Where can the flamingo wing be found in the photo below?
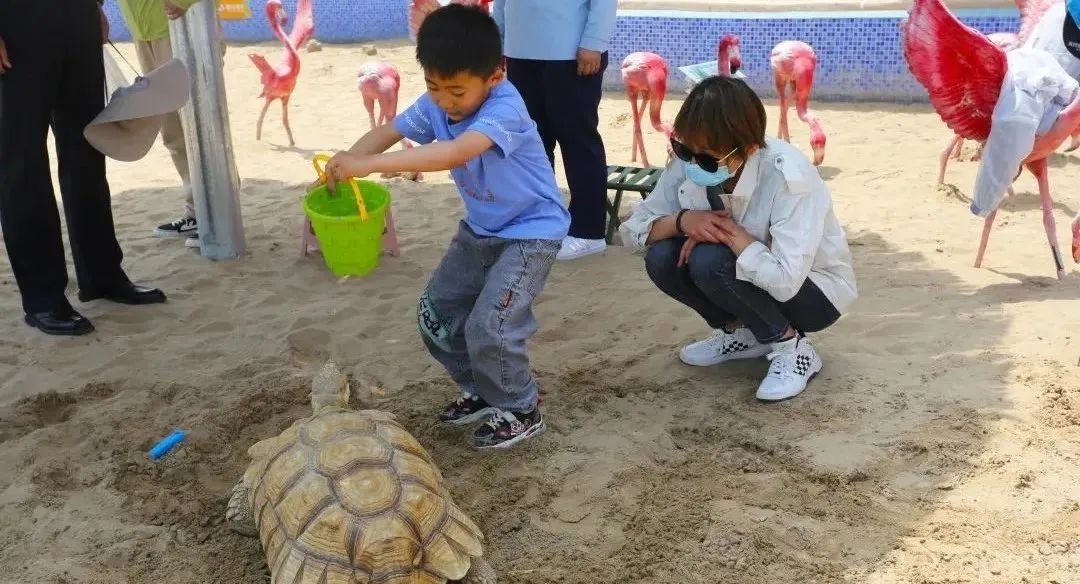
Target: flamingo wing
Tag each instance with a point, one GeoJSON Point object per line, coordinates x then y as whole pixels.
{"type": "Point", "coordinates": [304, 26]}
{"type": "Point", "coordinates": [418, 11]}
{"type": "Point", "coordinates": [959, 67]}
{"type": "Point", "coordinates": [1031, 12]}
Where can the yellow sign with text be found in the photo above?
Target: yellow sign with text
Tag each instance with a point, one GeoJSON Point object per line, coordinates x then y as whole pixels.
{"type": "Point", "coordinates": [234, 10]}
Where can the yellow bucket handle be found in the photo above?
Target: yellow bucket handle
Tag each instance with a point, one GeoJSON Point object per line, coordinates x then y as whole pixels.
{"type": "Point", "coordinates": [319, 162]}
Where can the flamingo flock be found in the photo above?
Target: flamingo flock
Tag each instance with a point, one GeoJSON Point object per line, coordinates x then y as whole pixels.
{"type": "Point", "coordinates": [962, 70]}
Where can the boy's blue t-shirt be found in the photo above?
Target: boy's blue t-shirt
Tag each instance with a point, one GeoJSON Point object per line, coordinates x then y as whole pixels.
{"type": "Point", "coordinates": [509, 190]}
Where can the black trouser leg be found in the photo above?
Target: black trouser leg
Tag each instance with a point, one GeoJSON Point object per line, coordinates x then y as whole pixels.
{"type": "Point", "coordinates": [85, 190]}
{"type": "Point", "coordinates": [527, 76]}
{"type": "Point", "coordinates": [573, 104]}
{"type": "Point", "coordinates": [28, 212]}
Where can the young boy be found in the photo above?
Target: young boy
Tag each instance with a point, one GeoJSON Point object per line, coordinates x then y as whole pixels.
{"type": "Point", "coordinates": [476, 313]}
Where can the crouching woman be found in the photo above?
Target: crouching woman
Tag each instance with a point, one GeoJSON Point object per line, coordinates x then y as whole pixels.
{"type": "Point", "coordinates": [741, 229]}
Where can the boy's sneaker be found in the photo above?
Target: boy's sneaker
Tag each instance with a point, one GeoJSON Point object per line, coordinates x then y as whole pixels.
{"type": "Point", "coordinates": [506, 429]}
{"type": "Point", "coordinates": [193, 242]}
{"type": "Point", "coordinates": [182, 227]}
{"type": "Point", "coordinates": [466, 409]}
{"type": "Point", "coordinates": [794, 363]}
{"type": "Point", "coordinates": [723, 346]}
{"type": "Point", "coordinates": [575, 247]}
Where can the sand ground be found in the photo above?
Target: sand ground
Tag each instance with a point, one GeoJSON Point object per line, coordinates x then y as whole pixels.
{"type": "Point", "coordinates": [940, 443]}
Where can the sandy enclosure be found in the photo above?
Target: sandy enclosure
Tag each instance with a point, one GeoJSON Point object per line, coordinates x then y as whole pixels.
{"type": "Point", "coordinates": [939, 444]}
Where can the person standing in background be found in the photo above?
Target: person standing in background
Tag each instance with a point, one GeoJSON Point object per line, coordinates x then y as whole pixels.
{"type": "Point", "coordinates": [52, 75]}
{"type": "Point", "coordinates": [148, 21]}
{"type": "Point", "coordinates": [556, 56]}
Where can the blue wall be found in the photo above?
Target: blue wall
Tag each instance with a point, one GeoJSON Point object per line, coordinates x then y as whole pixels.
{"type": "Point", "coordinates": [336, 21]}
{"type": "Point", "coordinates": [858, 52]}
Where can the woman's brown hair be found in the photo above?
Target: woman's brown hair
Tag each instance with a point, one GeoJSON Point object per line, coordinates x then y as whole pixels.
{"type": "Point", "coordinates": [722, 114]}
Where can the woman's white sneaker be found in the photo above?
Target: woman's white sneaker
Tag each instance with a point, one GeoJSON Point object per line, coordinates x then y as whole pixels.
{"type": "Point", "coordinates": [723, 346]}
{"type": "Point", "coordinates": [575, 247]}
{"type": "Point", "coordinates": [794, 363]}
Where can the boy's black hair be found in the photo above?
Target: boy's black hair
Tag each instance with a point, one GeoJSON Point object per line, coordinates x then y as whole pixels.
{"type": "Point", "coordinates": [458, 38]}
{"type": "Point", "coordinates": [722, 114]}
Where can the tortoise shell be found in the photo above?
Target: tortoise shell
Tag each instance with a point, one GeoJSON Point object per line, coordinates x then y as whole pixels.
{"type": "Point", "coordinates": [345, 497]}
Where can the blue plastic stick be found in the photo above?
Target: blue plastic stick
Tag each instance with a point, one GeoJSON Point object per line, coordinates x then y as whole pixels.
{"type": "Point", "coordinates": [167, 444]}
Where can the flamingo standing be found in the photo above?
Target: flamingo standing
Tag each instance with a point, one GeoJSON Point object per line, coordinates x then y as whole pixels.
{"type": "Point", "coordinates": [728, 56]}
{"type": "Point", "coordinates": [1007, 41]}
{"type": "Point", "coordinates": [793, 64]}
{"type": "Point", "coordinates": [379, 83]}
{"type": "Point", "coordinates": [645, 77]}
{"type": "Point", "coordinates": [963, 72]}
{"type": "Point", "coordinates": [280, 81]}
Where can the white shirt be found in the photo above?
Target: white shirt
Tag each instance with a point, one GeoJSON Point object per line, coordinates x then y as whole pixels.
{"type": "Point", "coordinates": [781, 200]}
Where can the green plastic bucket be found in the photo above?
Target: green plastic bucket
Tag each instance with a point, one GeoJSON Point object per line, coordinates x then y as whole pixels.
{"type": "Point", "coordinates": [350, 245]}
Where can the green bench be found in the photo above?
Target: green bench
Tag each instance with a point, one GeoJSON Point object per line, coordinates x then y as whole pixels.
{"type": "Point", "coordinates": [627, 178]}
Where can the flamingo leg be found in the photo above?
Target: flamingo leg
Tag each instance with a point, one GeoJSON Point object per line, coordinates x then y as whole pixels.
{"type": "Point", "coordinates": [1076, 238]}
{"type": "Point", "coordinates": [978, 152]}
{"type": "Point", "coordinates": [369, 105]}
{"type": "Point", "coordinates": [285, 119]}
{"type": "Point", "coordinates": [987, 226]}
{"type": "Point", "coordinates": [641, 135]}
{"type": "Point", "coordinates": [959, 150]}
{"type": "Point", "coordinates": [1038, 168]}
{"type": "Point", "coordinates": [781, 90]}
{"type": "Point", "coordinates": [631, 96]}
{"type": "Point", "coordinates": [944, 160]}
{"type": "Point", "coordinates": [262, 115]}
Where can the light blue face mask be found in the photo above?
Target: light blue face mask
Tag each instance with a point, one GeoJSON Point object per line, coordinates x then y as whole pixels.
{"type": "Point", "coordinates": [704, 178]}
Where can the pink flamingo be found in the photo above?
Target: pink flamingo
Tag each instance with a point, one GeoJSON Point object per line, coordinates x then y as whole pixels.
{"type": "Point", "coordinates": [379, 83]}
{"type": "Point", "coordinates": [963, 72]}
{"type": "Point", "coordinates": [728, 56]}
{"type": "Point", "coordinates": [1007, 41]}
{"type": "Point", "coordinates": [645, 77]}
{"type": "Point", "coordinates": [279, 82]}
{"type": "Point", "coordinates": [419, 9]}
{"type": "Point", "coordinates": [793, 64]}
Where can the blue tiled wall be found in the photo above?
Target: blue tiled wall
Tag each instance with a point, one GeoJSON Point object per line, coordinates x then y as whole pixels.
{"type": "Point", "coordinates": [336, 21]}
{"type": "Point", "coordinates": [858, 52]}
{"type": "Point", "coordinates": [859, 55]}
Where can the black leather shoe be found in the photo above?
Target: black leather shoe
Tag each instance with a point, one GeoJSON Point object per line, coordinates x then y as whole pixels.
{"type": "Point", "coordinates": [126, 294]}
{"type": "Point", "coordinates": [66, 323]}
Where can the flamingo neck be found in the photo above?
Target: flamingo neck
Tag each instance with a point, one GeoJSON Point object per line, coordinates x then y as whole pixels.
{"type": "Point", "coordinates": [723, 60]}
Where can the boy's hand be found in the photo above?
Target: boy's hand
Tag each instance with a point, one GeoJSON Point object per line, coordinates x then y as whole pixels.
{"type": "Point", "coordinates": [346, 165]}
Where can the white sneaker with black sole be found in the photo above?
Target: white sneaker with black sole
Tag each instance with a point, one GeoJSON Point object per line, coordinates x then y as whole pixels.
{"type": "Point", "coordinates": [722, 347]}
{"type": "Point", "coordinates": [793, 363]}
{"type": "Point", "coordinates": [182, 227]}
{"type": "Point", "coordinates": [575, 248]}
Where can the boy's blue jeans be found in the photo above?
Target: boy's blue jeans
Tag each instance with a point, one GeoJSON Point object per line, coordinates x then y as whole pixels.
{"type": "Point", "coordinates": [476, 314]}
{"type": "Point", "coordinates": [708, 285]}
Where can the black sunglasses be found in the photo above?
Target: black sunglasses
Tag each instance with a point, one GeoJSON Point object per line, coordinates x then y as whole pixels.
{"type": "Point", "coordinates": [707, 162]}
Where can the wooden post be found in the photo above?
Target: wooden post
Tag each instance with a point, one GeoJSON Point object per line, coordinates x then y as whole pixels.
{"type": "Point", "coordinates": [215, 183]}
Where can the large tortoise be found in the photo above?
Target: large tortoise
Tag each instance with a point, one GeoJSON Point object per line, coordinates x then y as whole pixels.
{"type": "Point", "coordinates": [349, 497]}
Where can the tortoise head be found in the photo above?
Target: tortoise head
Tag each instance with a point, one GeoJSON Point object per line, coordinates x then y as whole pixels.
{"type": "Point", "coordinates": [329, 389]}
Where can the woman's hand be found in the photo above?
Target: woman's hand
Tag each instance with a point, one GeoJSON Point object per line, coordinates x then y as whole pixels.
{"type": "Point", "coordinates": [172, 10]}
{"type": "Point", "coordinates": [687, 249]}
{"type": "Point", "coordinates": [734, 235]}
{"type": "Point", "coordinates": [704, 226]}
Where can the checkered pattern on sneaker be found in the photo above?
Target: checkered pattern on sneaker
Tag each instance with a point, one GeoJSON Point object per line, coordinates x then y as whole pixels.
{"type": "Point", "coordinates": [793, 363]}
{"type": "Point", "coordinates": [723, 346]}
